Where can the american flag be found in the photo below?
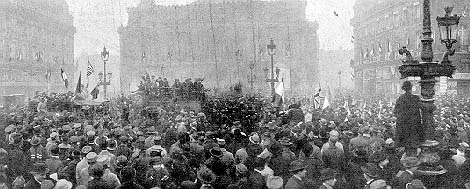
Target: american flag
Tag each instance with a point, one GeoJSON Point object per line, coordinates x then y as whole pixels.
{"type": "Point", "coordinates": [89, 69]}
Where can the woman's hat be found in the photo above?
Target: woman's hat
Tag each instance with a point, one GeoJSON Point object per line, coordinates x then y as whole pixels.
{"type": "Point", "coordinates": [206, 175]}
{"type": "Point", "coordinates": [370, 170]}
{"type": "Point", "coordinates": [296, 165]}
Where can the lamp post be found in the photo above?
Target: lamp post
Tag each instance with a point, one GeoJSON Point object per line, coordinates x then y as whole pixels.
{"type": "Point", "coordinates": [251, 78]}
{"type": "Point", "coordinates": [238, 57]}
{"type": "Point", "coordinates": [271, 51]}
{"type": "Point", "coordinates": [104, 82]}
{"type": "Point", "coordinates": [428, 70]}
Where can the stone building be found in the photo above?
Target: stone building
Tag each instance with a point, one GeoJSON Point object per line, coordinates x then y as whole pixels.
{"type": "Point", "coordinates": [381, 27]}
{"type": "Point", "coordinates": [220, 40]}
{"type": "Point", "coordinates": [36, 38]}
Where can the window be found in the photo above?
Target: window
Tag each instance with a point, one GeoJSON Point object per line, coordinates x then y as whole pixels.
{"type": "Point", "coordinates": [463, 35]}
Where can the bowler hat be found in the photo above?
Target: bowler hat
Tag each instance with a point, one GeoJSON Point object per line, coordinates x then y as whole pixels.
{"type": "Point", "coordinates": [206, 175]}
{"type": "Point", "coordinates": [254, 138]}
{"type": "Point", "coordinates": [86, 149]}
{"type": "Point", "coordinates": [370, 170]}
{"type": "Point", "coordinates": [296, 165]}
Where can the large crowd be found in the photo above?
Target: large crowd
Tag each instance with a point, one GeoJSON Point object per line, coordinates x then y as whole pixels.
{"type": "Point", "coordinates": [234, 142]}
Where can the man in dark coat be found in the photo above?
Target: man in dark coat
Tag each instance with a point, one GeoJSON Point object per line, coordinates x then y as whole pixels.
{"type": "Point", "coordinates": [410, 131]}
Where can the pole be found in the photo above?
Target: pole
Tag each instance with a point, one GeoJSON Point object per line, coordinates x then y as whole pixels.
{"type": "Point", "coordinates": [427, 82]}
{"type": "Point", "coordinates": [272, 76]}
{"type": "Point", "coordinates": [104, 78]}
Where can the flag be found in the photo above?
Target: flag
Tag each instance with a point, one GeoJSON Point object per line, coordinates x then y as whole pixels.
{"type": "Point", "coordinates": [380, 48]}
{"type": "Point", "coordinates": [64, 78]}
{"type": "Point", "coordinates": [48, 74]}
{"type": "Point", "coordinates": [78, 89]}
{"type": "Point", "coordinates": [316, 99]}
{"type": "Point", "coordinates": [326, 104]}
{"type": "Point", "coordinates": [94, 93]}
{"type": "Point", "coordinates": [346, 106]}
{"type": "Point", "coordinates": [279, 95]}
{"type": "Point", "coordinates": [89, 69]}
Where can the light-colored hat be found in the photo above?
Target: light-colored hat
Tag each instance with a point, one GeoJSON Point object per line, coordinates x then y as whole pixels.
{"type": "Point", "coordinates": [63, 184]}
{"type": "Point", "coordinates": [47, 184]}
{"type": "Point", "coordinates": [102, 159]}
{"type": "Point", "coordinates": [274, 182]}
{"type": "Point", "coordinates": [91, 157]}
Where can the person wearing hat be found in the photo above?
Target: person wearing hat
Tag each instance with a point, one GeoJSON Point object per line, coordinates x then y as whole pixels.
{"type": "Point", "coordinates": [227, 157]}
{"type": "Point", "coordinates": [362, 141]}
{"type": "Point", "coordinates": [108, 176]}
{"type": "Point", "coordinates": [83, 163]}
{"type": "Point", "coordinates": [415, 184]}
{"type": "Point", "coordinates": [158, 173]}
{"type": "Point", "coordinates": [298, 170]}
{"type": "Point", "coordinates": [206, 177]}
{"type": "Point", "coordinates": [96, 172]}
{"type": "Point", "coordinates": [313, 162]}
{"type": "Point", "coordinates": [37, 151]}
{"type": "Point", "coordinates": [128, 175]}
{"type": "Point", "coordinates": [47, 184]}
{"type": "Point", "coordinates": [157, 141]}
{"type": "Point", "coordinates": [85, 176]}
{"type": "Point", "coordinates": [332, 152]}
{"type": "Point", "coordinates": [123, 148]}
{"type": "Point", "coordinates": [371, 174]}
{"type": "Point", "coordinates": [328, 179]}
{"type": "Point", "coordinates": [410, 132]}
{"type": "Point", "coordinates": [54, 164]}
{"type": "Point", "coordinates": [38, 175]}
{"type": "Point", "coordinates": [410, 164]}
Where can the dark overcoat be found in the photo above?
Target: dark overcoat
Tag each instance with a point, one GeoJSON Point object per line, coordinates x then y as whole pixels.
{"type": "Point", "coordinates": [410, 131]}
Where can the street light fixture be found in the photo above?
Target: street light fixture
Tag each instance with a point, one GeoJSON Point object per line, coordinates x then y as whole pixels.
{"type": "Point", "coordinates": [428, 70]}
{"type": "Point", "coordinates": [104, 82]}
{"type": "Point", "coordinates": [448, 28]}
{"type": "Point", "coordinates": [277, 73]}
{"type": "Point", "coordinates": [272, 51]}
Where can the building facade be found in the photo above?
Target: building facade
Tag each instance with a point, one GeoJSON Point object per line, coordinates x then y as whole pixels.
{"type": "Point", "coordinates": [224, 42]}
{"type": "Point", "coordinates": [36, 40]}
{"type": "Point", "coordinates": [382, 27]}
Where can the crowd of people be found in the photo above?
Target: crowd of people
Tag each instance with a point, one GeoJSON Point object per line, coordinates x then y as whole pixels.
{"type": "Point", "coordinates": [234, 142]}
{"type": "Point", "coordinates": [160, 89]}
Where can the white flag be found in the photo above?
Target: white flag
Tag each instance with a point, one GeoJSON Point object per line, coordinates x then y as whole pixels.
{"type": "Point", "coordinates": [326, 104]}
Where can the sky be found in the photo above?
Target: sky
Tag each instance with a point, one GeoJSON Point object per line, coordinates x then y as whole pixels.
{"type": "Point", "coordinates": [97, 22]}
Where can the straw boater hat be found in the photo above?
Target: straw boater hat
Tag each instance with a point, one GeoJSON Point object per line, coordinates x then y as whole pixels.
{"type": "Point", "coordinates": [206, 176]}
{"type": "Point", "coordinates": [274, 182]}
{"type": "Point", "coordinates": [35, 141]}
{"type": "Point", "coordinates": [216, 152]}
{"type": "Point", "coordinates": [255, 139]}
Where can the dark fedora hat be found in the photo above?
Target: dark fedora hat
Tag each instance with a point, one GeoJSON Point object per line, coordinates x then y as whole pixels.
{"type": "Point", "coordinates": [370, 170]}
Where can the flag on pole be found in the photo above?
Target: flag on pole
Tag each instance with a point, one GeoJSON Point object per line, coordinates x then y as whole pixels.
{"type": "Point", "coordinates": [78, 89]}
{"type": "Point", "coordinates": [316, 99]}
{"type": "Point", "coordinates": [64, 78]}
{"type": "Point", "coordinates": [89, 69]}
{"type": "Point", "coordinates": [279, 95]}
{"type": "Point", "coordinates": [346, 106]}
{"type": "Point", "coordinates": [326, 104]}
{"type": "Point", "coordinates": [94, 93]}
{"type": "Point", "coordinates": [48, 74]}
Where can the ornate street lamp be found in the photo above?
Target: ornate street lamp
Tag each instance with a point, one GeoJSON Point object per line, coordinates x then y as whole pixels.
{"type": "Point", "coordinates": [100, 76]}
{"type": "Point", "coordinates": [104, 82]}
{"type": "Point", "coordinates": [272, 51]}
{"type": "Point", "coordinates": [428, 70]}
{"type": "Point", "coordinates": [266, 72]}
{"type": "Point", "coordinates": [448, 28]}
{"type": "Point", "coordinates": [277, 73]}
